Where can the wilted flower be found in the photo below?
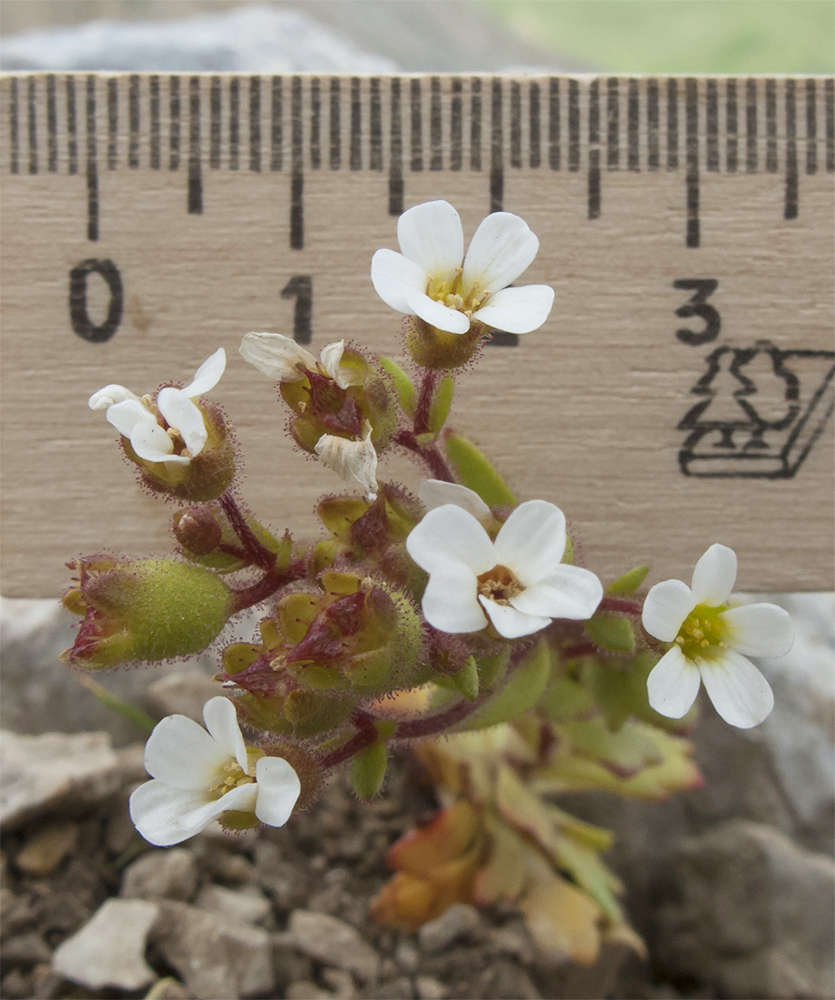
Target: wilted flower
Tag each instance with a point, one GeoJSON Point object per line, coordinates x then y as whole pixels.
{"type": "Point", "coordinates": [198, 776]}
{"type": "Point", "coordinates": [712, 642]}
{"type": "Point", "coordinates": [433, 279]}
{"type": "Point", "coordinates": [519, 579]}
{"type": "Point", "coordinates": [183, 434]}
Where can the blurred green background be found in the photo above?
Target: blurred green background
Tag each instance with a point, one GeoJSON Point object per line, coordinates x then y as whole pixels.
{"type": "Point", "coordinates": [682, 36]}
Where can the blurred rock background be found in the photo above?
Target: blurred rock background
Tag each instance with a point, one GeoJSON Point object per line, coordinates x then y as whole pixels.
{"type": "Point", "coordinates": [732, 885]}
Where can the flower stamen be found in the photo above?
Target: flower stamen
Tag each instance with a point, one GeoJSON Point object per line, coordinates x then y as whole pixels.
{"type": "Point", "coordinates": [499, 584]}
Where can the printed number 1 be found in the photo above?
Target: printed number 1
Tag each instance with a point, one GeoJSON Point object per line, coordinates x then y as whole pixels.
{"type": "Point", "coordinates": [300, 288]}
{"type": "Point", "coordinates": [697, 306]}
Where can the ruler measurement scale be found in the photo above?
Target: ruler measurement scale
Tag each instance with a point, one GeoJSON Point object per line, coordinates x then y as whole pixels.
{"type": "Point", "coordinates": [685, 224]}
{"type": "Point", "coordinates": [249, 113]}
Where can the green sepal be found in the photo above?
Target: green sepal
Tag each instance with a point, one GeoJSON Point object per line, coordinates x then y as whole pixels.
{"type": "Point", "coordinates": [406, 393]}
{"type": "Point", "coordinates": [441, 404]}
{"type": "Point", "coordinates": [368, 770]}
{"type": "Point", "coordinates": [613, 634]}
{"type": "Point", "coordinates": [522, 691]}
{"type": "Point", "coordinates": [477, 473]}
{"type": "Point", "coordinates": [466, 679]}
{"type": "Point", "coordinates": [629, 582]}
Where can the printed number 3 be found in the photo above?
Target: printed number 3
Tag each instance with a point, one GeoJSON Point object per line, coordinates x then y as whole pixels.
{"type": "Point", "coordinates": [697, 306]}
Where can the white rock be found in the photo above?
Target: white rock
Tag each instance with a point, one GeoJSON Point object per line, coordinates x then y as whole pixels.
{"type": "Point", "coordinates": [184, 692]}
{"type": "Point", "coordinates": [237, 907]}
{"type": "Point", "coordinates": [53, 772]}
{"type": "Point", "coordinates": [170, 874]}
{"type": "Point", "coordinates": [110, 949]}
{"type": "Point", "coordinates": [214, 957]}
{"type": "Point", "coordinates": [333, 942]}
{"type": "Point", "coordinates": [459, 921]}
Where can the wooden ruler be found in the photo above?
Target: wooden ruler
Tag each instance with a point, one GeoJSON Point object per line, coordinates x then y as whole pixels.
{"type": "Point", "coordinates": [680, 394]}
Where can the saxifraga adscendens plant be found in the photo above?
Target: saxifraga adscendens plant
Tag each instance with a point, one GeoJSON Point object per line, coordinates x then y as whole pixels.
{"type": "Point", "coordinates": [454, 610]}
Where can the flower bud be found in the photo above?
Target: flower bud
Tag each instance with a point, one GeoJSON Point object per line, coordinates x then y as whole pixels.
{"type": "Point", "coordinates": [144, 609]}
{"type": "Point", "coordinates": [438, 350]}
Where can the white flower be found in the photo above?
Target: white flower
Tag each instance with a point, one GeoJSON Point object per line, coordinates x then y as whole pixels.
{"type": "Point", "coordinates": [436, 493]}
{"type": "Point", "coordinates": [712, 643]}
{"type": "Point", "coordinates": [198, 775]}
{"type": "Point", "coordinates": [519, 579]}
{"type": "Point", "coordinates": [433, 279]}
{"type": "Point", "coordinates": [285, 361]}
{"type": "Point", "coordinates": [134, 418]}
{"type": "Point", "coordinates": [351, 459]}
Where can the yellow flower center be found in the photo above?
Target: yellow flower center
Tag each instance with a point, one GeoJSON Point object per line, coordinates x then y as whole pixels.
{"type": "Point", "coordinates": [704, 633]}
{"type": "Point", "coordinates": [499, 585]}
{"type": "Point", "coordinates": [448, 291]}
{"type": "Point", "coordinates": [230, 775]}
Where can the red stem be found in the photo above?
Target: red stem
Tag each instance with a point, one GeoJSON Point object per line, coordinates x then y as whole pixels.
{"type": "Point", "coordinates": [621, 604]}
{"type": "Point", "coordinates": [364, 738]}
{"type": "Point", "coordinates": [424, 403]}
{"type": "Point", "coordinates": [431, 455]}
{"type": "Point", "coordinates": [257, 553]}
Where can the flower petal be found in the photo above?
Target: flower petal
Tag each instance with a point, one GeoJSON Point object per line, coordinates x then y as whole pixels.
{"type": "Point", "coordinates": [395, 277]}
{"type": "Point", "coordinates": [511, 623]}
{"type": "Point", "coordinates": [739, 692]}
{"type": "Point", "coordinates": [208, 374]}
{"type": "Point", "coordinates": [184, 416]}
{"type": "Point", "coordinates": [517, 310]}
{"type": "Point", "coordinates": [450, 534]}
{"type": "Point", "coordinates": [449, 601]}
{"type": "Point", "coordinates": [151, 443]}
{"type": "Point", "coordinates": [569, 592]}
{"type": "Point", "coordinates": [714, 576]}
{"type": "Point", "coordinates": [666, 606]}
{"type": "Point", "coordinates": [436, 493]}
{"type": "Point", "coordinates": [277, 356]}
{"type": "Point", "coordinates": [760, 629]}
{"type": "Point", "coordinates": [436, 313]}
{"type": "Point", "coordinates": [181, 753]}
{"type": "Point", "coordinates": [222, 722]}
{"type": "Point", "coordinates": [501, 249]}
{"type": "Point", "coordinates": [531, 542]}
{"type": "Point", "coordinates": [673, 684]}
{"type": "Point", "coordinates": [278, 790]}
{"type": "Point", "coordinates": [431, 235]}
{"type": "Point", "coordinates": [330, 358]}
{"type": "Point", "coordinates": [109, 395]}
{"type": "Point", "coordinates": [351, 459]}
{"type": "Point", "coordinates": [166, 815]}
{"type": "Point", "coordinates": [124, 416]}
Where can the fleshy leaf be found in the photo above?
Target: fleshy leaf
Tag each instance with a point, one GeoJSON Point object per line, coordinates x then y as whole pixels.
{"type": "Point", "coordinates": [521, 692]}
{"type": "Point", "coordinates": [505, 874]}
{"type": "Point", "coordinates": [563, 920]}
{"type": "Point", "coordinates": [402, 384]}
{"type": "Point", "coordinates": [589, 872]}
{"type": "Point", "coordinates": [625, 752]}
{"type": "Point", "coordinates": [477, 473]}
{"type": "Point", "coordinates": [447, 837]}
{"type": "Point", "coordinates": [564, 699]}
{"type": "Point", "coordinates": [441, 404]}
{"type": "Point", "coordinates": [466, 680]}
{"type": "Point", "coordinates": [368, 770]}
{"type": "Point", "coordinates": [629, 582]}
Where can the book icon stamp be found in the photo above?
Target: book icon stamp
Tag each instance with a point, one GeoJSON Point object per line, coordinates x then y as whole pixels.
{"type": "Point", "coordinates": [760, 411]}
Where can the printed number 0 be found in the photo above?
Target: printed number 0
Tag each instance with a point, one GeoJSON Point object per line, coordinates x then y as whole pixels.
{"type": "Point", "coordinates": [697, 306]}
{"type": "Point", "coordinates": [79, 316]}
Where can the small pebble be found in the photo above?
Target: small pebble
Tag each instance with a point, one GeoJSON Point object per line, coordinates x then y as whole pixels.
{"type": "Point", "coordinates": [428, 988]}
{"type": "Point", "coordinates": [305, 990]}
{"type": "Point", "coordinates": [43, 852]}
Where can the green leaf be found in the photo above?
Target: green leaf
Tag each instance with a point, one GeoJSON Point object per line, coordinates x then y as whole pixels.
{"type": "Point", "coordinates": [466, 680]}
{"type": "Point", "coordinates": [591, 874]}
{"type": "Point", "coordinates": [625, 752]}
{"type": "Point", "coordinates": [564, 699]}
{"type": "Point", "coordinates": [368, 770]}
{"type": "Point", "coordinates": [477, 473]}
{"type": "Point", "coordinates": [441, 404]}
{"type": "Point", "coordinates": [521, 692]}
{"type": "Point", "coordinates": [403, 386]}
{"type": "Point", "coordinates": [613, 634]}
{"type": "Point", "coordinates": [629, 582]}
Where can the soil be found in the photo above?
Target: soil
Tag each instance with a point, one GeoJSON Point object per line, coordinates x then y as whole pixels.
{"type": "Point", "coordinates": [329, 859]}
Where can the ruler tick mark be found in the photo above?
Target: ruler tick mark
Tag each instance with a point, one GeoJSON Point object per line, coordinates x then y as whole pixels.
{"type": "Point", "coordinates": [456, 134]}
{"type": "Point", "coordinates": [255, 124]}
{"type": "Point", "coordinates": [791, 208]}
{"type": "Point", "coordinates": [153, 85]}
{"type": "Point", "coordinates": [375, 114]}
{"type": "Point", "coordinates": [712, 116]}
{"type": "Point", "coordinates": [653, 158]}
{"type": "Point", "coordinates": [133, 121]}
{"type": "Point", "coordinates": [395, 150]}
{"type": "Point", "coordinates": [672, 124]}
{"type": "Point", "coordinates": [633, 121]}
{"type": "Point", "coordinates": [92, 165]}
{"type": "Point", "coordinates": [72, 139]}
{"type": "Point", "coordinates": [416, 117]}
{"type": "Point", "coordinates": [315, 123]}
{"type": "Point", "coordinates": [496, 138]}
{"type": "Point", "coordinates": [612, 123]}
{"type": "Point", "coordinates": [335, 161]}
{"type": "Point", "coordinates": [436, 127]}
{"type": "Point", "coordinates": [356, 124]}
{"type": "Point", "coordinates": [475, 123]}
{"type": "Point", "coordinates": [830, 125]}
{"type": "Point", "coordinates": [573, 125]}
{"type": "Point", "coordinates": [731, 127]}
{"type": "Point", "coordinates": [33, 125]}
{"type": "Point", "coordinates": [215, 108]}
{"type": "Point", "coordinates": [297, 176]}
{"type": "Point", "coordinates": [751, 126]}
{"type": "Point", "coordinates": [811, 129]}
{"type": "Point", "coordinates": [692, 121]}
{"type": "Point", "coordinates": [554, 151]}
{"type": "Point", "coordinates": [594, 151]}
{"type": "Point", "coordinates": [195, 180]}
{"type": "Point", "coordinates": [276, 134]}
{"type": "Point", "coordinates": [174, 125]}
{"type": "Point", "coordinates": [771, 126]}
{"type": "Point", "coordinates": [51, 124]}
{"type": "Point", "coordinates": [14, 128]}
{"type": "Point", "coordinates": [515, 124]}
{"type": "Point", "coordinates": [534, 143]}
{"type": "Point", "coordinates": [112, 123]}
{"type": "Point", "coordinates": [234, 122]}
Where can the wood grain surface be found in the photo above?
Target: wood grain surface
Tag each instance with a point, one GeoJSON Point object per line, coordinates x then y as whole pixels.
{"type": "Point", "coordinates": [680, 393]}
